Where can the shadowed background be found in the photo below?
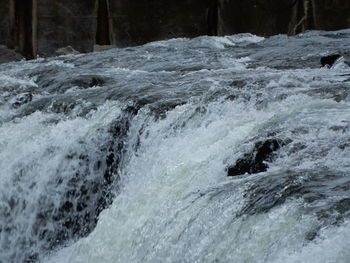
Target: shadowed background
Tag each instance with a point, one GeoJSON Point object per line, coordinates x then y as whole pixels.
{"type": "Point", "coordinates": [40, 27]}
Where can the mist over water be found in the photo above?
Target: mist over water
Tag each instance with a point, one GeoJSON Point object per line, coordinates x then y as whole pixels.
{"type": "Point", "coordinates": [122, 155]}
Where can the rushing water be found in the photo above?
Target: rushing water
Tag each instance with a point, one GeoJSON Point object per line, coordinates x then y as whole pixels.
{"type": "Point", "coordinates": [122, 155]}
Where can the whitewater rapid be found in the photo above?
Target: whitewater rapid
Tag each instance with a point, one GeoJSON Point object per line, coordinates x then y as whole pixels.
{"type": "Point", "coordinates": [122, 155]}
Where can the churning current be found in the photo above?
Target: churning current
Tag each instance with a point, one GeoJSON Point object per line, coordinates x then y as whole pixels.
{"type": "Point", "coordinates": [124, 155]}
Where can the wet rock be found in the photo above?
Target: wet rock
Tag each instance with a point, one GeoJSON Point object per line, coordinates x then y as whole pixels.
{"type": "Point", "coordinates": [270, 191]}
{"type": "Point", "coordinates": [254, 162]}
{"type": "Point", "coordinates": [88, 81]}
{"type": "Point", "coordinates": [66, 51]}
{"type": "Point", "coordinates": [160, 109]}
{"type": "Point", "coordinates": [22, 99]}
{"type": "Point", "coordinates": [139, 21]}
{"type": "Point", "coordinates": [238, 84]}
{"type": "Point", "coordinates": [343, 206]}
{"type": "Point", "coordinates": [311, 235]}
{"type": "Point", "coordinates": [328, 61]}
{"type": "Point", "coordinates": [98, 48]}
{"type": "Point", "coordinates": [7, 55]}
{"type": "Point", "coordinates": [297, 147]}
{"type": "Point", "coordinates": [267, 192]}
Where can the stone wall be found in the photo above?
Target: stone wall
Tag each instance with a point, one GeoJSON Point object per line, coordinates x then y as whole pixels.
{"type": "Point", "coordinates": [51, 24]}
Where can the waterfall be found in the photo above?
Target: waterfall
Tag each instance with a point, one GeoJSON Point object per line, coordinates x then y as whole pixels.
{"type": "Point", "coordinates": [123, 155]}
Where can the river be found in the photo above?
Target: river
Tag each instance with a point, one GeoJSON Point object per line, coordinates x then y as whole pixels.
{"type": "Point", "coordinates": [122, 155]}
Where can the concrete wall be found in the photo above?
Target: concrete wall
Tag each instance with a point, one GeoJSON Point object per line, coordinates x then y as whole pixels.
{"type": "Point", "coordinates": [5, 23]}
{"type": "Point", "coordinates": [65, 22]}
{"type": "Point", "coordinates": [261, 17]}
{"type": "Point", "coordinates": [140, 21]}
{"type": "Point", "coordinates": [332, 14]}
{"type": "Point", "coordinates": [83, 23]}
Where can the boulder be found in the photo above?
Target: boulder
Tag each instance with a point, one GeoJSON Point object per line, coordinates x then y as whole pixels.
{"type": "Point", "coordinates": [7, 55]}
{"type": "Point", "coordinates": [254, 161]}
{"type": "Point", "coordinates": [328, 61]}
{"type": "Point", "coordinates": [22, 99]}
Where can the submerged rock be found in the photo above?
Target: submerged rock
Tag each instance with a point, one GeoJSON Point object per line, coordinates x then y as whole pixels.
{"type": "Point", "coordinates": [328, 61]}
{"type": "Point", "coordinates": [254, 162]}
{"type": "Point", "coordinates": [88, 81]}
{"type": "Point", "coordinates": [22, 99]}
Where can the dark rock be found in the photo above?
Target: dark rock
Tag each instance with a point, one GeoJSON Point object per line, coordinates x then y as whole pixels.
{"type": "Point", "coordinates": [343, 206]}
{"type": "Point", "coordinates": [254, 162]}
{"type": "Point", "coordinates": [311, 235]}
{"type": "Point", "coordinates": [7, 55]}
{"type": "Point", "coordinates": [270, 191]}
{"type": "Point", "coordinates": [96, 82]}
{"type": "Point", "coordinates": [297, 147]}
{"type": "Point", "coordinates": [66, 51]}
{"type": "Point", "coordinates": [160, 109]}
{"type": "Point", "coordinates": [22, 99]}
{"type": "Point", "coordinates": [267, 192]}
{"type": "Point", "coordinates": [329, 60]}
{"type": "Point", "coordinates": [88, 81]}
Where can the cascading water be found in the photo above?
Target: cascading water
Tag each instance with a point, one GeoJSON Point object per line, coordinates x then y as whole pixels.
{"type": "Point", "coordinates": [122, 155]}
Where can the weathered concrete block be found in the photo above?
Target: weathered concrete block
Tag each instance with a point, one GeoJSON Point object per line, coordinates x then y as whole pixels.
{"type": "Point", "coordinates": [5, 23]}
{"type": "Point", "coordinates": [270, 17]}
{"type": "Point", "coordinates": [259, 17]}
{"type": "Point", "coordinates": [138, 21]}
{"type": "Point", "coordinates": [43, 26]}
{"type": "Point", "coordinates": [63, 23]}
{"type": "Point", "coordinates": [332, 14]}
